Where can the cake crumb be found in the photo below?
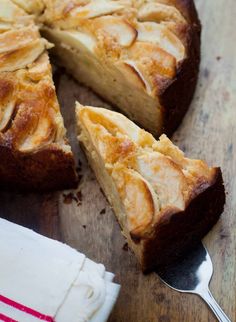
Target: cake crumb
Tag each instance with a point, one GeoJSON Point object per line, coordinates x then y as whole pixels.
{"type": "Point", "coordinates": [79, 167]}
{"type": "Point", "coordinates": [68, 198]}
{"type": "Point", "coordinates": [79, 197]}
{"type": "Point", "coordinates": [103, 211]}
{"type": "Point", "coordinates": [125, 247]}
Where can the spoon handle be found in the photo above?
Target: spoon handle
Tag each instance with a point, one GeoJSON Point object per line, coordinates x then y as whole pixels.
{"type": "Point", "coordinates": [209, 299]}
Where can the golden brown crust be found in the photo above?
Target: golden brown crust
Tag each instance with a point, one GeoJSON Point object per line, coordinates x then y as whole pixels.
{"type": "Point", "coordinates": [156, 184]}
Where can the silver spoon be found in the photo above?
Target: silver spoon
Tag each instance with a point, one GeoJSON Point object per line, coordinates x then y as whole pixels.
{"type": "Point", "coordinates": [192, 274]}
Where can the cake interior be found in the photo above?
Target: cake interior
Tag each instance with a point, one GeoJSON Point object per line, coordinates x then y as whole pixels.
{"type": "Point", "coordinates": [122, 89]}
{"type": "Point", "coordinates": [108, 186]}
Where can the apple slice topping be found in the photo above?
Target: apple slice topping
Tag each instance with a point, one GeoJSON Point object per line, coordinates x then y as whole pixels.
{"type": "Point", "coordinates": [44, 134]}
{"type": "Point", "coordinates": [97, 8]}
{"type": "Point", "coordinates": [9, 11]}
{"type": "Point", "coordinates": [139, 199]}
{"type": "Point", "coordinates": [159, 12]}
{"type": "Point", "coordinates": [116, 28]}
{"type": "Point", "coordinates": [152, 60]}
{"type": "Point", "coordinates": [6, 112]}
{"type": "Point", "coordinates": [163, 37]}
{"type": "Point", "coordinates": [132, 72]}
{"type": "Point", "coordinates": [166, 178]}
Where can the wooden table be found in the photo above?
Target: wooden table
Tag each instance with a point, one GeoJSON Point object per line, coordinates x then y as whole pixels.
{"type": "Point", "coordinates": [85, 221]}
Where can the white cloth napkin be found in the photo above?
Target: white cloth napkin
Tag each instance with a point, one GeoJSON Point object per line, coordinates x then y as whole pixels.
{"type": "Point", "coordinates": [44, 280]}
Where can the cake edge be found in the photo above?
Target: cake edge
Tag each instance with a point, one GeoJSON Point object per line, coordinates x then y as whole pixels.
{"type": "Point", "coordinates": [193, 224]}
{"type": "Point", "coordinates": [177, 95]}
{"type": "Point", "coordinates": [45, 170]}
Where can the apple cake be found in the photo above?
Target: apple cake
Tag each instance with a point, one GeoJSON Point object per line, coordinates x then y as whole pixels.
{"type": "Point", "coordinates": [164, 201]}
{"type": "Point", "coordinates": [141, 56]}
{"type": "Point", "coordinates": [34, 153]}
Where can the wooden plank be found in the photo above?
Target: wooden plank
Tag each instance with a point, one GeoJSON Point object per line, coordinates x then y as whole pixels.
{"type": "Point", "coordinates": [85, 221]}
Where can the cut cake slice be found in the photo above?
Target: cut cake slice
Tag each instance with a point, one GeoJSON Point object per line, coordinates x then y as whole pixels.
{"type": "Point", "coordinates": [164, 202]}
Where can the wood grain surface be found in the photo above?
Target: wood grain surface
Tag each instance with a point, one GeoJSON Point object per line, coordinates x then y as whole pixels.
{"type": "Point", "coordinates": [84, 220]}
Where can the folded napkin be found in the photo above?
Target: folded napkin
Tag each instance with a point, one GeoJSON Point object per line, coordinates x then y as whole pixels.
{"type": "Point", "coordinates": [44, 280]}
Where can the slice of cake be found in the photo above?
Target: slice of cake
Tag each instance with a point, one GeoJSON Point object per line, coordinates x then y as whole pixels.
{"type": "Point", "coordinates": [142, 56]}
{"type": "Point", "coordinates": [163, 201]}
{"type": "Point", "coordinates": [44, 280]}
{"type": "Point", "coordinates": [34, 151]}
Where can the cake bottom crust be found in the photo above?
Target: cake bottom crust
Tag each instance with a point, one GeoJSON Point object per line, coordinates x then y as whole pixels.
{"type": "Point", "coordinates": [45, 170]}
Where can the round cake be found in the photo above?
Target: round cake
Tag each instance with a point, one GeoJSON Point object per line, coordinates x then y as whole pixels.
{"type": "Point", "coordinates": [141, 56]}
